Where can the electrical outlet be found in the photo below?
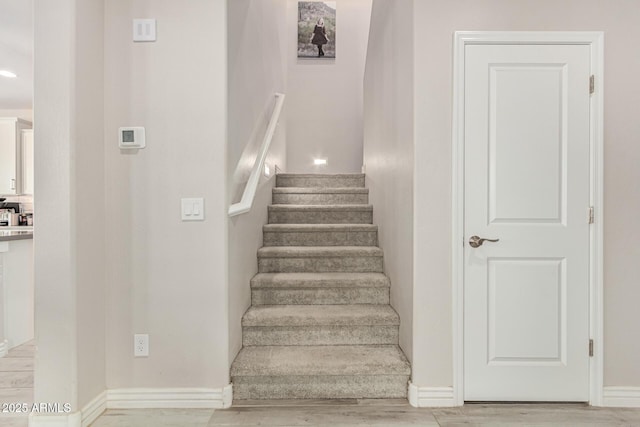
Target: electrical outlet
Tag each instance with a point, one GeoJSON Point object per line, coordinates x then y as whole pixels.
{"type": "Point", "coordinates": [141, 345]}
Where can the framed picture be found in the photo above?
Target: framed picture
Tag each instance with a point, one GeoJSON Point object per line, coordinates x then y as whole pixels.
{"type": "Point", "coordinates": [317, 29]}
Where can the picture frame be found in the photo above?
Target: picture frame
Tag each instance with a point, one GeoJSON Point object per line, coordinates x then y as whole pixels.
{"type": "Point", "coordinates": [317, 29]}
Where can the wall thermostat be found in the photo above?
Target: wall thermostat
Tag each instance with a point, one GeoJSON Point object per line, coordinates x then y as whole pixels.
{"type": "Point", "coordinates": [132, 138]}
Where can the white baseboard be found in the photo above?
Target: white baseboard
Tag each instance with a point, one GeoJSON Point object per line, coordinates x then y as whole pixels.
{"type": "Point", "coordinates": [621, 397]}
{"type": "Point", "coordinates": [139, 398]}
{"type": "Point", "coordinates": [431, 397]}
{"type": "Point", "coordinates": [4, 348]}
{"type": "Point", "coordinates": [63, 420]}
{"type": "Point", "coordinates": [94, 409]}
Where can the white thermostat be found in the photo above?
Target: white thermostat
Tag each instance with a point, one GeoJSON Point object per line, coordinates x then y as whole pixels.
{"type": "Point", "coordinates": [131, 138]}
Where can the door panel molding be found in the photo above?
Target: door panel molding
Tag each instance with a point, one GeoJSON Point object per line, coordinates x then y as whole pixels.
{"type": "Point", "coordinates": [595, 40]}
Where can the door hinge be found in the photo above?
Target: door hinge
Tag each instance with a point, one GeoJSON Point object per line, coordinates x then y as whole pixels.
{"type": "Point", "coordinates": [590, 348]}
{"type": "Point", "coordinates": [590, 215]}
{"type": "Point", "coordinates": [592, 84]}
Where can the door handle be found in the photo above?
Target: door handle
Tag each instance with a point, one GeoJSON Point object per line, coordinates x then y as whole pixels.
{"type": "Point", "coordinates": [476, 242]}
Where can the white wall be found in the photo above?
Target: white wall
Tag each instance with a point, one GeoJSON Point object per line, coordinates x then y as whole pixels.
{"type": "Point", "coordinates": [325, 95]}
{"type": "Point", "coordinates": [69, 243]}
{"type": "Point", "coordinates": [435, 22]}
{"type": "Point", "coordinates": [89, 194]}
{"type": "Point", "coordinates": [389, 147]}
{"type": "Point", "coordinates": [257, 70]}
{"type": "Point", "coordinates": [166, 277]}
{"type": "Point", "coordinates": [16, 53]}
{"type": "Point", "coordinates": [23, 114]}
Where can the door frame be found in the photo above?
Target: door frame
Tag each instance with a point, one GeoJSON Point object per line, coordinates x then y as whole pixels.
{"type": "Point", "coordinates": [594, 39]}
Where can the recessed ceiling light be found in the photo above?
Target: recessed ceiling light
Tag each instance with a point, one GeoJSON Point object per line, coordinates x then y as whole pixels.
{"type": "Point", "coordinates": [9, 74]}
{"type": "Point", "coordinates": [320, 162]}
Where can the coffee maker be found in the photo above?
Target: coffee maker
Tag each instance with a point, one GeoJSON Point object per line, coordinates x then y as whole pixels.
{"type": "Point", "coordinates": [9, 213]}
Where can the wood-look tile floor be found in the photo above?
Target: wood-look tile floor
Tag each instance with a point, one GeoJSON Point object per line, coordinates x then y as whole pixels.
{"type": "Point", "coordinates": [16, 384]}
{"type": "Point", "coordinates": [351, 412]}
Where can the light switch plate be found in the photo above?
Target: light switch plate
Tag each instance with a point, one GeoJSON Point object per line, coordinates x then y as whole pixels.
{"type": "Point", "coordinates": [144, 30]}
{"type": "Point", "coordinates": [193, 209]}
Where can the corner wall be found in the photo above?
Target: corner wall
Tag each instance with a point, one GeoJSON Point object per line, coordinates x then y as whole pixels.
{"type": "Point", "coordinates": [325, 95]}
{"type": "Point", "coordinates": [389, 147]}
{"type": "Point", "coordinates": [89, 216]}
{"type": "Point", "coordinates": [69, 182]}
{"type": "Point", "coordinates": [257, 70]}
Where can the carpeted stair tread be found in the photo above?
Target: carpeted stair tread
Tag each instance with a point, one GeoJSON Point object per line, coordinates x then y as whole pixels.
{"type": "Point", "coordinates": [320, 315]}
{"type": "Point", "coordinates": [341, 360]}
{"type": "Point", "coordinates": [320, 190]}
{"type": "Point", "coordinates": [319, 280]}
{"type": "Point", "coordinates": [329, 288]}
{"type": "Point", "coordinates": [320, 325]}
{"type": "Point", "coordinates": [320, 228]}
{"type": "Point", "coordinates": [327, 213]}
{"type": "Point", "coordinates": [318, 251]}
{"type": "Point", "coordinates": [321, 175]}
{"type": "Point", "coordinates": [320, 235]}
{"type": "Point", "coordinates": [321, 208]}
{"type": "Point", "coordinates": [320, 180]}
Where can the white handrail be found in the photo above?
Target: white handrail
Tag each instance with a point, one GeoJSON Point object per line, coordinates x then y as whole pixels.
{"type": "Point", "coordinates": [244, 205]}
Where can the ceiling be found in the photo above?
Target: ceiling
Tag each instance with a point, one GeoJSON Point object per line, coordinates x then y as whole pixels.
{"type": "Point", "coordinates": [16, 53]}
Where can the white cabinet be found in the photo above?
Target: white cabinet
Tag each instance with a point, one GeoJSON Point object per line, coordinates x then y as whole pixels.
{"type": "Point", "coordinates": [27, 161]}
{"type": "Point", "coordinates": [16, 293]}
{"type": "Point", "coordinates": [11, 161]}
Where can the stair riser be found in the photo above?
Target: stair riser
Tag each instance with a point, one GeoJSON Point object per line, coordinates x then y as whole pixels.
{"type": "Point", "coordinates": [319, 335]}
{"type": "Point", "coordinates": [325, 264]}
{"type": "Point", "coordinates": [320, 296]}
{"type": "Point", "coordinates": [320, 387]}
{"type": "Point", "coordinates": [319, 181]}
{"type": "Point", "coordinates": [320, 199]}
{"type": "Point", "coordinates": [320, 217]}
{"type": "Point", "coordinates": [321, 238]}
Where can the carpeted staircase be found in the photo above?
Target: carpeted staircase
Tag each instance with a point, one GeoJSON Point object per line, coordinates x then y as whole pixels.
{"type": "Point", "coordinates": [320, 325]}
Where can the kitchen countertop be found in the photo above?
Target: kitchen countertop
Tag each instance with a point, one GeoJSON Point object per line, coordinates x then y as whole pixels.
{"type": "Point", "coordinates": [6, 235]}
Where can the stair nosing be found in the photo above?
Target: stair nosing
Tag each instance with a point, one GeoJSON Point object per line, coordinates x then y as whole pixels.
{"type": "Point", "coordinates": [320, 252]}
{"type": "Point", "coordinates": [398, 367]}
{"type": "Point", "coordinates": [321, 175]}
{"type": "Point", "coordinates": [344, 315]}
{"type": "Point", "coordinates": [319, 280]}
{"type": "Point", "coordinates": [279, 228]}
{"type": "Point", "coordinates": [320, 190]}
{"type": "Point", "coordinates": [337, 206]}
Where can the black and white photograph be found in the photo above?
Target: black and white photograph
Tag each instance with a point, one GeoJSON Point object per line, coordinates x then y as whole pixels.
{"type": "Point", "coordinates": [317, 29]}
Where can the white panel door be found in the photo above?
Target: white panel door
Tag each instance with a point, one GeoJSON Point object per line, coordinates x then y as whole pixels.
{"type": "Point", "coordinates": [526, 297]}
